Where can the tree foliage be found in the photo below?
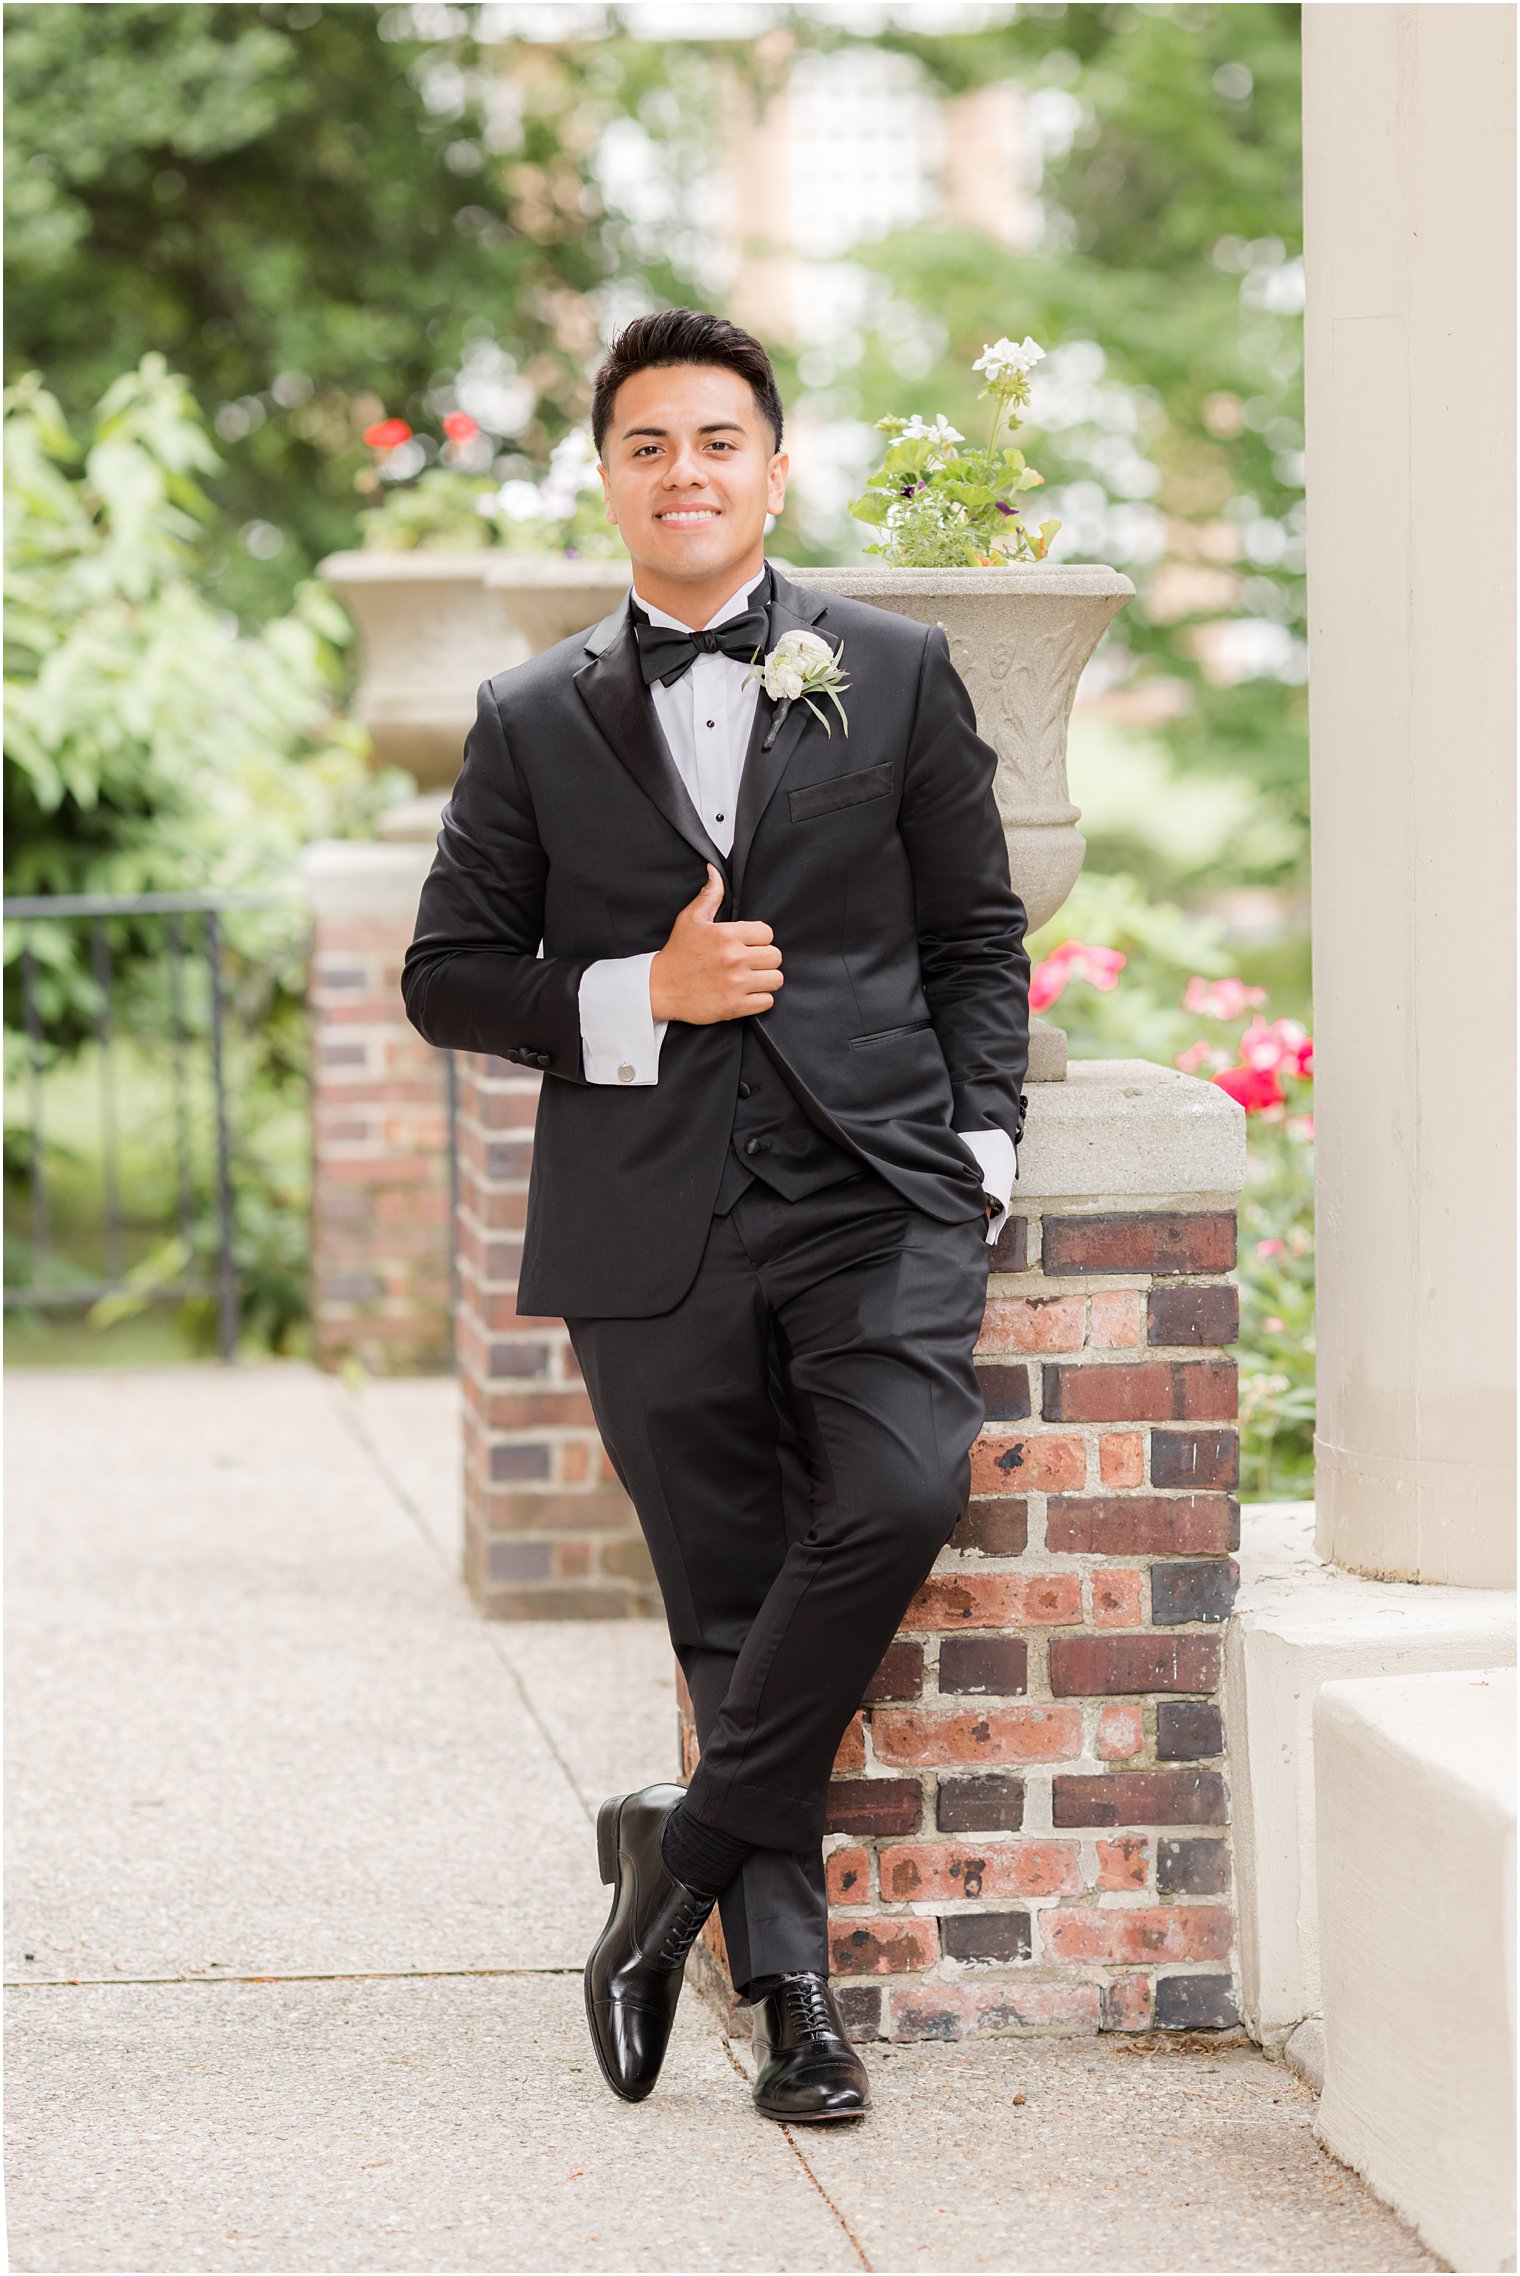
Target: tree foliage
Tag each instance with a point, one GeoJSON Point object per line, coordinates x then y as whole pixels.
{"type": "Point", "coordinates": [315, 214]}
{"type": "Point", "coordinates": [1170, 258]}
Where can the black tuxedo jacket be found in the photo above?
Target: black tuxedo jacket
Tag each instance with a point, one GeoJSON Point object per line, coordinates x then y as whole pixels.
{"type": "Point", "coordinates": [877, 858]}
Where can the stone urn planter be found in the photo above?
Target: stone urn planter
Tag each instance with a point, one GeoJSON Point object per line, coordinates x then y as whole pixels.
{"type": "Point", "coordinates": [430, 630]}
{"type": "Point", "coordinates": [546, 599]}
{"type": "Point", "coordinates": [1019, 637]}
{"type": "Point", "coordinates": [432, 626]}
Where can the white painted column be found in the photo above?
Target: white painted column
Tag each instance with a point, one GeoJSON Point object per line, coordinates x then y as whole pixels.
{"type": "Point", "coordinates": [1409, 198]}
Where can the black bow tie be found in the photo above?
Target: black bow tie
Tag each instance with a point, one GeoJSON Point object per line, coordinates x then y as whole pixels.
{"type": "Point", "coordinates": [666, 650]}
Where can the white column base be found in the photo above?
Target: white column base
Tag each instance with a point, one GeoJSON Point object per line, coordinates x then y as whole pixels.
{"type": "Point", "coordinates": [1415, 1806]}
{"type": "Point", "coordinates": [1299, 1624]}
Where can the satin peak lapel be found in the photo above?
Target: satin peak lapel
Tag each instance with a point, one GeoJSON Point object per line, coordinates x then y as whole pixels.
{"type": "Point", "coordinates": [792, 610]}
{"type": "Point", "coordinates": [612, 688]}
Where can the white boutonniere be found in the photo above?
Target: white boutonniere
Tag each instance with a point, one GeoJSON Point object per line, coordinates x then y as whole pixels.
{"type": "Point", "coordinates": [801, 666]}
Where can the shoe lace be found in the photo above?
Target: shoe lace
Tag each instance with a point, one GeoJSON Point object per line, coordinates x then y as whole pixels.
{"type": "Point", "coordinates": [682, 1931]}
{"type": "Point", "coordinates": [808, 2004]}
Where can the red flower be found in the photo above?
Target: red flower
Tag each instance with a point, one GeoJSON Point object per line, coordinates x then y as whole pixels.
{"type": "Point", "coordinates": [385, 434]}
{"type": "Point", "coordinates": [459, 426]}
{"type": "Point", "coordinates": [1252, 1087]}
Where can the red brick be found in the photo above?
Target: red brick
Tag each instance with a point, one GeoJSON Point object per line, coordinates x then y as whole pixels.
{"type": "Point", "coordinates": [847, 1873]}
{"type": "Point", "coordinates": [1192, 1868]}
{"type": "Point", "coordinates": [995, 1734]}
{"type": "Point", "coordinates": [1036, 1323]}
{"type": "Point", "coordinates": [1153, 1932]}
{"type": "Point", "coordinates": [1140, 1525]}
{"type": "Point", "coordinates": [988, 1801]}
{"type": "Point", "coordinates": [1118, 1319]}
{"type": "Point", "coordinates": [1196, 1458]}
{"type": "Point", "coordinates": [1127, 2004]}
{"type": "Point", "coordinates": [1121, 1458]}
{"type": "Point", "coordinates": [1042, 1462]}
{"type": "Point", "coordinates": [995, 1525]}
{"type": "Point", "coordinates": [851, 1752]}
{"type": "Point", "coordinates": [1116, 1599]}
{"type": "Point", "coordinates": [1121, 1733]}
{"type": "Point", "coordinates": [901, 1673]}
{"type": "Point", "coordinates": [996, 1667]}
{"type": "Point", "coordinates": [1011, 1254]}
{"type": "Point", "coordinates": [936, 1871]}
{"type": "Point", "coordinates": [893, 1945]}
{"type": "Point", "coordinates": [1159, 1241]}
{"type": "Point", "coordinates": [1088, 1666]}
{"type": "Point", "coordinates": [1138, 1798]}
{"type": "Point", "coordinates": [1193, 1315]}
{"type": "Point", "coordinates": [874, 1805]}
{"type": "Point", "coordinates": [1156, 1390]}
{"type": "Point", "coordinates": [996, 1600]}
{"type": "Point", "coordinates": [958, 2011]}
{"type": "Point", "coordinates": [989, 1934]}
{"type": "Point", "coordinates": [1125, 1863]}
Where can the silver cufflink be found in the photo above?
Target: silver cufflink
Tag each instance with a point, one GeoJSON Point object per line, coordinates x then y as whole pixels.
{"type": "Point", "coordinates": [625, 1073]}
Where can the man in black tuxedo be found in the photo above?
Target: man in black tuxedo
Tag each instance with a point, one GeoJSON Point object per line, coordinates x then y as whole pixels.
{"type": "Point", "coordinates": [776, 977]}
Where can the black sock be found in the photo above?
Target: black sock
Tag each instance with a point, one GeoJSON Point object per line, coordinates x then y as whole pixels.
{"type": "Point", "coordinates": [699, 1855]}
{"type": "Point", "coordinates": [758, 1986]}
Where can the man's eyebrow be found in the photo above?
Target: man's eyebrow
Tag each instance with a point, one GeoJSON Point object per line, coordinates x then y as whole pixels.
{"type": "Point", "coordinates": [712, 427]}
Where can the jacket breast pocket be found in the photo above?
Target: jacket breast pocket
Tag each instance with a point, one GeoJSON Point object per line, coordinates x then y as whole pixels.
{"type": "Point", "coordinates": [817, 798]}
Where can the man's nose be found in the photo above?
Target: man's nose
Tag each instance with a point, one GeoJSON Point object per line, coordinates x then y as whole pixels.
{"type": "Point", "coordinates": [685, 470]}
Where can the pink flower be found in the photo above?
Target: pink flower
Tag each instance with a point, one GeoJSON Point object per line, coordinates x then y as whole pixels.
{"type": "Point", "coordinates": [1220, 999]}
{"type": "Point", "coordinates": [459, 426]}
{"type": "Point", "coordinates": [1254, 1088]}
{"type": "Point", "coordinates": [1074, 960]}
{"type": "Point", "coordinates": [1271, 1248]}
{"type": "Point", "coordinates": [385, 434]}
{"type": "Point", "coordinates": [1280, 1044]}
{"type": "Point", "coordinates": [1046, 981]}
{"type": "Point", "coordinates": [1300, 1126]}
{"type": "Point", "coordinates": [1202, 1054]}
{"type": "Point", "coordinates": [1274, 1326]}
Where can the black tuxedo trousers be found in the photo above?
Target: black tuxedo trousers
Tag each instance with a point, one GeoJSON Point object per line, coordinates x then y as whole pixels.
{"type": "Point", "coordinates": [795, 1436]}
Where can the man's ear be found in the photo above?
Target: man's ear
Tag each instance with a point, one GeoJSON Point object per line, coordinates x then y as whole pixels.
{"type": "Point", "coordinates": [607, 494]}
{"type": "Point", "coordinates": [775, 482]}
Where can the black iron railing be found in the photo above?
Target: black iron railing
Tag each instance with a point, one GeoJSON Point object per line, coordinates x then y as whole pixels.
{"type": "Point", "coordinates": [194, 1014]}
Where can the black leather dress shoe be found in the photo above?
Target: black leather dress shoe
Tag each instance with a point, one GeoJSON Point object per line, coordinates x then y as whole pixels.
{"type": "Point", "coordinates": [635, 1971]}
{"type": "Point", "coordinates": [808, 2069]}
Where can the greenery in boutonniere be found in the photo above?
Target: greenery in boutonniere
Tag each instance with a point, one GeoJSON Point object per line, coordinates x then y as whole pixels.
{"type": "Point", "coordinates": [940, 506]}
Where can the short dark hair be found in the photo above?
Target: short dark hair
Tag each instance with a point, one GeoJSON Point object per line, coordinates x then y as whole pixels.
{"type": "Point", "coordinates": [684, 336]}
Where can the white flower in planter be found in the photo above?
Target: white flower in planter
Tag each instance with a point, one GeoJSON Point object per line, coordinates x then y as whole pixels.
{"type": "Point", "coordinates": [941, 431]}
{"type": "Point", "coordinates": [1007, 358]}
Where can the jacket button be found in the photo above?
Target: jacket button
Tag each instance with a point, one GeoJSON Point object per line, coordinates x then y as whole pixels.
{"type": "Point", "coordinates": [757, 1146]}
{"type": "Point", "coordinates": [744, 1090]}
{"type": "Point", "coordinates": [626, 1073]}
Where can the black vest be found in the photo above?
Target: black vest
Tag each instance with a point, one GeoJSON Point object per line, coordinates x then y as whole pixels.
{"type": "Point", "coordinates": [774, 1139]}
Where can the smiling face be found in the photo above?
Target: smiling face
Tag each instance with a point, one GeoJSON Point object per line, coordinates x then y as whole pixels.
{"type": "Point", "coordinates": [690, 471]}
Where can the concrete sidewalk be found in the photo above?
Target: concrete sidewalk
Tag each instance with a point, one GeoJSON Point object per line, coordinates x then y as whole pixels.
{"type": "Point", "coordinates": [302, 1877]}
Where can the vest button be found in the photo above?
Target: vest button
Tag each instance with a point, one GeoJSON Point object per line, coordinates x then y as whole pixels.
{"type": "Point", "coordinates": [744, 1090]}
{"type": "Point", "coordinates": [755, 1146]}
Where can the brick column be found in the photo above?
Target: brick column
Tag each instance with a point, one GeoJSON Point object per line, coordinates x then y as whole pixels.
{"type": "Point", "coordinates": [549, 1533]}
{"type": "Point", "coordinates": [1029, 1818]}
{"type": "Point", "coordinates": [380, 1167]}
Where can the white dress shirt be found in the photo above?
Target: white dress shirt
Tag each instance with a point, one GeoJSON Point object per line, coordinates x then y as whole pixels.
{"type": "Point", "coordinates": [706, 716]}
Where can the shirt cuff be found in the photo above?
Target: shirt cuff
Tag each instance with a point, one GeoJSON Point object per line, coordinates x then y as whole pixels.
{"type": "Point", "coordinates": [620, 1037]}
{"type": "Point", "coordinates": [998, 1159]}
